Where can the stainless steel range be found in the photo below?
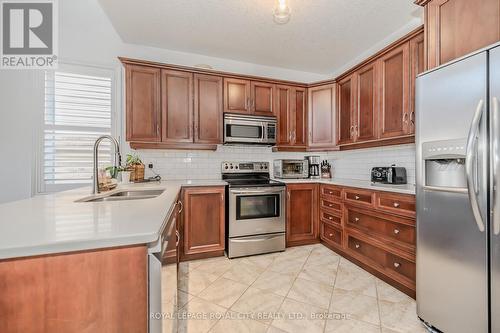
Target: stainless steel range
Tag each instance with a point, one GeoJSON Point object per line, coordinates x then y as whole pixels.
{"type": "Point", "coordinates": [256, 209]}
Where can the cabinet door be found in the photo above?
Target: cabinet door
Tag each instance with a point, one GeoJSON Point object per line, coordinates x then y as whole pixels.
{"type": "Point", "coordinates": [302, 214]}
{"type": "Point", "coordinates": [177, 106]}
{"type": "Point", "coordinates": [458, 27]}
{"type": "Point", "coordinates": [283, 113]}
{"type": "Point", "coordinates": [365, 125]}
{"type": "Point", "coordinates": [208, 111]}
{"type": "Point", "coordinates": [143, 113]}
{"type": "Point", "coordinates": [299, 115]}
{"type": "Point", "coordinates": [345, 110]}
{"type": "Point", "coordinates": [204, 220]}
{"type": "Point", "coordinates": [394, 92]}
{"type": "Point", "coordinates": [237, 97]}
{"type": "Point", "coordinates": [321, 120]}
{"type": "Point", "coordinates": [262, 101]}
{"type": "Point", "coordinates": [417, 66]}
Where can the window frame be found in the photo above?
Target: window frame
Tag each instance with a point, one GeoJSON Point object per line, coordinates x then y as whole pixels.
{"type": "Point", "coordinates": [80, 69]}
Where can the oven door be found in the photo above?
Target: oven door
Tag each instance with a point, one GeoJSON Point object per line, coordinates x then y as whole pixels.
{"type": "Point", "coordinates": [255, 211]}
{"type": "Point", "coordinates": [241, 130]}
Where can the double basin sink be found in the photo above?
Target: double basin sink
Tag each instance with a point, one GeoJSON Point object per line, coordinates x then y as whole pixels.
{"type": "Point", "coordinates": [123, 195]}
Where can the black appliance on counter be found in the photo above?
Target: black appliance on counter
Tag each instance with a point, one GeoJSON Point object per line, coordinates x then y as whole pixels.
{"type": "Point", "coordinates": [389, 175]}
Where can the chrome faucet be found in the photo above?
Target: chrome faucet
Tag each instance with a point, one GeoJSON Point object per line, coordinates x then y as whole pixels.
{"type": "Point", "coordinates": [117, 161]}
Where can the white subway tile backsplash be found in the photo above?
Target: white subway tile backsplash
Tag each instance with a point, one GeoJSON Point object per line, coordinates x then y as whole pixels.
{"type": "Point", "coordinates": [353, 164]}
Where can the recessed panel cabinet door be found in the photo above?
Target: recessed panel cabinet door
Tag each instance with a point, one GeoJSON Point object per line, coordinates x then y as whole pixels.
{"type": "Point", "coordinates": [345, 110]}
{"type": "Point", "coordinates": [394, 95]}
{"type": "Point", "coordinates": [302, 214]}
{"type": "Point", "coordinates": [177, 106]}
{"type": "Point", "coordinates": [237, 96]}
{"type": "Point", "coordinates": [321, 124]}
{"type": "Point", "coordinates": [283, 113]}
{"type": "Point", "coordinates": [204, 220]}
{"type": "Point", "coordinates": [208, 111]}
{"type": "Point", "coordinates": [365, 126]}
{"type": "Point", "coordinates": [262, 102]}
{"type": "Point", "coordinates": [417, 66]}
{"type": "Point", "coordinates": [143, 110]}
{"type": "Point", "coordinates": [299, 114]}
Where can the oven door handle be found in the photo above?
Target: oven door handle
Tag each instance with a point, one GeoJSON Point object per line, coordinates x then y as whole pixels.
{"type": "Point", "coordinates": [256, 239]}
{"type": "Point", "coordinates": [256, 191]}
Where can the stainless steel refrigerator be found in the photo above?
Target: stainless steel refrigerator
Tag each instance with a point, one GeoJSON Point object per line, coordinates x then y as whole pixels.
{"type": "Point", "coordinates": [458, 198]}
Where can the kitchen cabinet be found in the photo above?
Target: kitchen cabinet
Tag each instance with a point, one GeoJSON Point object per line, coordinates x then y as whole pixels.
{"type": "Point", "coordinates": [203, 227]}
{"type": "Point", "coordinates": [208, 114]}
{"type": "Point", "coordinates": [417, 66]}
{"type": "Point", "coordinates": [394, 92]}
{"type": "Point", "coordinates": [177, 106]}
{"type": "Point", "coordinates": [455, 28]}
{"type": "Point", "coordinates": [143, 113]}
{"type": "Point", "coordinates": [321, 118]}
{"type": "Point", "coordinates": [301, 214]}
{"type": "Point", "coordinates": [248, 97]}
{"type": "Point", "coordinates": [291, 111]}
{"type": "Point", "coordinates": [366, 107]}
{"type": "Point", "coordinates": [346, 109]}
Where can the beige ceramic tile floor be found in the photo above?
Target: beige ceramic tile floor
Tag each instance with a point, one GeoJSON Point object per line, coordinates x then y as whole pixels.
{"type": "Point", "coordinates": [304, 289]}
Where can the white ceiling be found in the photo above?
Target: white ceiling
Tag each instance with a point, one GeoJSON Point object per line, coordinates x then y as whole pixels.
{"type": "Point", "coordinates": [321, 37]}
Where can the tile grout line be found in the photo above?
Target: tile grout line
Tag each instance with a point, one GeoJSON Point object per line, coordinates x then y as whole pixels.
{"type": "Point", "coordinates": [378, 306]}
{"type": "Point", "coordinates": [334, 283]}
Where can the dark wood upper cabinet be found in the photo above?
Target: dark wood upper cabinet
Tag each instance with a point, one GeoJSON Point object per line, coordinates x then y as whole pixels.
{"type": "Point", "coordinates": [417, 66]}
{"type": "Point", "coordinates": [302, 226]}
{"type": "Point", "coordinates": [346, 109]}
{"type": "Point", "coordinates": [237, 96]}
{"type": "Point", "coordinates": [321, 117]}
{"type": "Point", "coordinates": [283, 113]}
{"type": "Point", "coordinates": [208, 112]}
{"type": "Point", "coordinates": [299, 112]}
{"type": "Point", "coordinates": [366, 110]}
{"type": "Point", "coordinates": [262, 98]}
{"type": "Point", "coordinates": [455, 28]}
{"type": "Point", "coordinates": [143, 114]}
{"type": "Point", "coordinates": [394, 92]}
{"type": "Point", "coordinates": [177, 106]}
{"type": "Point", "coordinates": [291, 111]}
{"type": "Point", "coordinates": [203, 229]}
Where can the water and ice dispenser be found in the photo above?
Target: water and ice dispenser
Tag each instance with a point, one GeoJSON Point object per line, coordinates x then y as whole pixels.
{"type": "Point", "coordinates": [444, 164]}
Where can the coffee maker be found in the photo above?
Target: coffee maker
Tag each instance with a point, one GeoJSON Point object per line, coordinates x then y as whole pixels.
{"type": "Point", "coordinates": [314, 167]}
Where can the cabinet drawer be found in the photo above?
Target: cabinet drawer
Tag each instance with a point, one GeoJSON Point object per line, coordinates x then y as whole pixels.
{"type": "Point", "coordinates": [401, 266]}
{"type": "Point", "coordinates": [359, 197]}
{"type": "Point", "coordinates": [331, 218]}
{"type": "Point", "coordinates": [378, 224]}
{"type": "Point", "coordinates": [331, 234]}
{"type": "Point", "coordinates": [399, 204]}
{"type": "Point", "coordinates": [366, 250]}
{"type": "Point", "coordinates": [332, 192]}
{"type": "Point", "coordinates": [331, 205]}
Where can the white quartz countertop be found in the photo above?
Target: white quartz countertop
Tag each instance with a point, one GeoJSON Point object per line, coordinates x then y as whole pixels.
{"type": "Point", "coordinates": [55, 223]}
{"type": "Point", "coordinates": [404, 189]}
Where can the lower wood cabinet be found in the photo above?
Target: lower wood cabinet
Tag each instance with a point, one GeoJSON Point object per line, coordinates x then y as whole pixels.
{"type": "Point", "coordinates": [301, 214]}
{"type": "Point", "coordinates": [203, 227]}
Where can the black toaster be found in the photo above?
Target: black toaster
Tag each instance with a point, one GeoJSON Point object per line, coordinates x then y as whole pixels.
{"type": "Point", "coordinates": [389, 175]}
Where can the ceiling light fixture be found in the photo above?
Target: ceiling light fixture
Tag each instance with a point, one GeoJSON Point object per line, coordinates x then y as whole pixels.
{"type": "Point", "coordinates": [281, 12]}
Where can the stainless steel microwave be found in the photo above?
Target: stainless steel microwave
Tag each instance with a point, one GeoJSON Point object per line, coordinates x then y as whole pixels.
{"type": "Point", "coordinates": [242, 129]}
{"type": "Point", "coordinates": [291, 169]}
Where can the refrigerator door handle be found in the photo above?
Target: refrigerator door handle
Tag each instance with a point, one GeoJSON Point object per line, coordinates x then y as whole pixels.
{"type": "Point", "coordinates": [470, 158]}
{"type": "Point", "coordinates": [496, 165]}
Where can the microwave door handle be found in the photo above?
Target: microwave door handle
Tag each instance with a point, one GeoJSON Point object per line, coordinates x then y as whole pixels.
{"type": "Point", "coordinates": [470, 159]}
{"type": "Point", "coordinates": [496, 165]}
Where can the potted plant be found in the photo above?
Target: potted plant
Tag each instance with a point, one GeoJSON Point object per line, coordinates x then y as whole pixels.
{"type": "Point", "coordinates": [119, 173]}
{"type": "Point", "coordinates": [136, 167]}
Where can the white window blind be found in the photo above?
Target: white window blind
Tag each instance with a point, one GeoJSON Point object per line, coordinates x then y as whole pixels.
{"type": "Point", "coordinates": [78, 109]}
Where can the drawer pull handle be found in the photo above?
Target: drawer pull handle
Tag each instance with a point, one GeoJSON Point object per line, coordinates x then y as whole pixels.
{"type": "Point", "coordinates": [330, 205]}
{"type": "Point", "coordinates": [356, 219]}
{"type": "Point", "coordinates": [356, 197]}
{"type": "Point", "coordinates": [330, 218]}
{"type": "Point", "coordinates": [330, 192]}
{"type": "Point", "coordinates": [397, 264]}
{"type": "Point", "coordinates": [330, 235]}
{"type": "Point", "coordinates": [396, 231]}
{"type": "Point", "coordinates": [357, 246]}
{"type": "Point", "coordinates": [396, 204]}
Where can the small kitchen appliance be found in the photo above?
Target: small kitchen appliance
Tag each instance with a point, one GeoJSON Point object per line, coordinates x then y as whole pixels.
{"type": "Point", "coordinates": [255, 130]}
{"type": "Point", "coordinates": [314, 166]}
{"type": "Point", "coordinates": [389, 175]}
{"type": "Point", "coordinates": [291, 169]}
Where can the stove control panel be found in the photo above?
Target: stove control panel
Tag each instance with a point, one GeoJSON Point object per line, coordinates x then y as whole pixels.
{"type": "Point", "coordinates": [245, 167]}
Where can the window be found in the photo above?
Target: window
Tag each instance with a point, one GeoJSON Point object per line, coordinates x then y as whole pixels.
{"type": "Point", "coordinates": [79, 107]}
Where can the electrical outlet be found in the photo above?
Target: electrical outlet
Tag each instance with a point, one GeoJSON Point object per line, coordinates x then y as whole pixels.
{"type": "Point", "coordinates": [150, 165]}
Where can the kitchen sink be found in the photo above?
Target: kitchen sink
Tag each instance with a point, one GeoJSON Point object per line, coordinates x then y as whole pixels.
{"type": "Point", "coordinates": [124, 195]}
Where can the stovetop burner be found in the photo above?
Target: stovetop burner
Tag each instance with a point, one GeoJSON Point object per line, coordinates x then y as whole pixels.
{"type": "Point", "coordinates": [248, 174]}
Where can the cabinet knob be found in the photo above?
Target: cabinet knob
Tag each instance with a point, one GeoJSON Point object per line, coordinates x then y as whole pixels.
{"type": "Point", "coordinates": [330, 218]}
{"type": "Point", "coordinates": [396, 231]}
{"type": "Point", "coordinates": [330, 205]}
{"type": "Point", "coordinates": [357, 246]}
{"type": "Point", "coordinates": [396, 204]}
{"type": "Point", "coordinates": [356, 197]}
{"type": "Point", "coordinates": [356, 219]}
{"type": "Point", "coordinates": [330, 235]}
{"type": "Point", "coordinates": [330, 192]}
{"type": "Point", "coordinates": [397, 264]}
